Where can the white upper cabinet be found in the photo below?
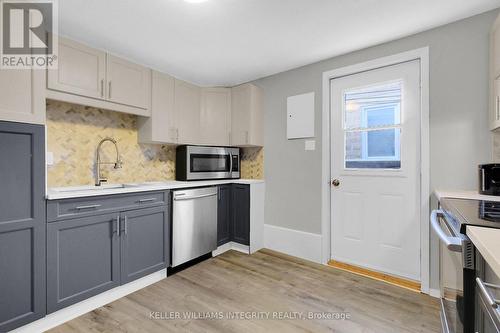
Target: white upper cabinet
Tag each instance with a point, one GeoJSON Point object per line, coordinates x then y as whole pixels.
{"type": "Point", "coordinates": [128, 83]}
{"type": "Point", "coordinates": [246, 116]}
{"type": "Point", "coordinates": [22, 95]}
{"type": "Point", "coordinates": [161, 127]}
{"type": "Point", "coordinates": [81, 70]}
{"type": "Point", "coordinates": [92, 77]}
{"type": "Point", "coordinates": [187, 110]}
{"type": "Point", "coordinates": [215, 116]}
{"type": "Point", "coordinates": [495, 75]}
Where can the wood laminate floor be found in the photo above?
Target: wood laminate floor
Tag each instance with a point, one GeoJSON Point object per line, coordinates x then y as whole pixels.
{"type": "Point", "coordinates": [265, 283]}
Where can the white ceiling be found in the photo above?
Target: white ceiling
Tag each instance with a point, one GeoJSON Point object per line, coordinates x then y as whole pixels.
{"type": "Point", "coordinates": [226, 42]}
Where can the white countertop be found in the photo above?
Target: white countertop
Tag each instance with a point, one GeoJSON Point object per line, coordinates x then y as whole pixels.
{"type": "Point", "coordinates": [90, 191]}
{"type": "Point", "coordinates": [464, 194]}
{"type": "Point", "coordinates": [487, 241]}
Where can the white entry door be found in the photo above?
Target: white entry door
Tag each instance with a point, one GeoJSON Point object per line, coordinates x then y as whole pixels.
{"type": "Point", "coordinates": [375, 158]}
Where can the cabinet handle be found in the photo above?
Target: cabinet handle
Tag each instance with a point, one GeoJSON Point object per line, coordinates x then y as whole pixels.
{"type": "Point", "coordinates": [147, 200]}
{"type": "Point", "coordinates": [482, 288]}
{"type": "Point", "coordinates": [497, 107]}
{"type": "Point", "coordinates": [109, 89]}
{"type": "Point", "coordinates": [87, 207]}
{"type": "Point", "coordinates": [124, 230]}
{"type": "Point", "coordinates": [102, 88]}
{"type": "Point", "coordinates": [117, 226]}
{"type": "Point", "coordinates": [246, 137]}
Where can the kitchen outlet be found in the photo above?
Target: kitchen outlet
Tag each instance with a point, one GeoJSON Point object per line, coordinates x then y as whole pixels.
{"type": "Point", "coordinates": [50, 158]}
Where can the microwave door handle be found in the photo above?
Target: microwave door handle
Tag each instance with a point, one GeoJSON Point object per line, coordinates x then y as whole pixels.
{"type": "Point", "coordinates": [452, 243]}
{"type": "Point", "coordinates": [230, 165]}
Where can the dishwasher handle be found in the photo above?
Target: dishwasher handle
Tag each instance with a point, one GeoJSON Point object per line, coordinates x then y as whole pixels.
{"type": "Point", "coordinates": [452, 243]}
{"type": "Point", "coordinates": [191, 197]}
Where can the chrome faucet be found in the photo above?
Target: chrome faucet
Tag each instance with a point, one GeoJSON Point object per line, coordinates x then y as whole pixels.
{"type": "Point", "coordinates": [117, 164]}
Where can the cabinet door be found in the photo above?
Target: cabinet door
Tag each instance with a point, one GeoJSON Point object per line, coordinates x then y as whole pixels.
{"type": "Point", "coordinates": [495, 48]}
{"type": "Point", "coordinates": [215, 116]}
{"type": "Point", "coordinates": [246, 116]}
{"type": "Point", "coordinates": [128, 83]}
{"type": "Point", "coordinates": [187, 110]}
{"type": "Point", "coordinates": [145, 236]}
{"type": "Point", "coordinates": [161, 127]}
{"type": "Point", "coordinates": [81, 70]}
{"type": "Point", "coordinates": [240, 203]}
{"type": "Point", "coordinates": [495, 108]}
{"type": "Point", "coordinates": [224, 215]}
{"type": "Point", "coordinates": [22, 224]}
{"type": "Point", "coordinates": [83, 259]}
{"type": "Point", "coordinates": [22, 95]}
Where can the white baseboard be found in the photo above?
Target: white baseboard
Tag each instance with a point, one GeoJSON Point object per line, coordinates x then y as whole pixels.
{"type": "Point", "coordinates": [231, 246]}
{"type": "Point", "coordinates": [60, 317]}
{"type": "Point", "coordinates": [296, 243]}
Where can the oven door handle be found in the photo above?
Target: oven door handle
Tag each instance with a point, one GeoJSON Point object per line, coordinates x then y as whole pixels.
{"type": "Point", "coordinates": [452, 243]}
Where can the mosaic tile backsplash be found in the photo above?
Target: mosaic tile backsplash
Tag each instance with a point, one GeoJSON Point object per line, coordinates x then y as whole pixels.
{"type": "Point", "coordinates": [73, 132]}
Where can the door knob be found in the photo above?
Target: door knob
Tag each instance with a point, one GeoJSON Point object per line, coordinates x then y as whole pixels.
{"type": "Point", "coordinates": [336, 182]}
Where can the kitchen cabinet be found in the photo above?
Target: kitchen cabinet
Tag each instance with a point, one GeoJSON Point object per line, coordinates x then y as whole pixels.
{"type": "Point", "coordinates": [187, 110]}
{"type": "Point", "coordinates": [22, 95]}
{"type": "Point", "coordinates": [224, 214]}
{"type": "Point", "coordinates": [143, 246]}
{"type": "Point", "coordinates": [246, 116]}
{"type": "Point", "coordinates": [81, 70]}
{"type": "Point", "coordinates": [92, 77]}
{"type": "Point", "coordinates": [22, 224]}
{"type": "Point", "coordinates": [233, 215]}
{"type": "Point", "coordinates": [495, 107]}
{"type": "Point", "coordinates": [240, 212]}
{"type": "Point", "coordinates": [215, 116]}
{"type": "Point", "coordinates": [161, 127]}
{"type": "Point", "coordinates": [98, 243]}
{"type": "Point", "coordinates": [83, 259]}
{"type": "Point", "coordinates": [128, 83]}
{"type": "Point", "coordinates": [495, 75]}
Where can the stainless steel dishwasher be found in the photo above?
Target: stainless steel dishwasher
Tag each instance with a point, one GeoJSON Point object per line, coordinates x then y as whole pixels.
{"type": "Point", "coordinates": [194, 227]}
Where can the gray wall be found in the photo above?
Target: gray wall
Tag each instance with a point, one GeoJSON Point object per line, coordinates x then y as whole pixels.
{"type": "Point", "coordinates": [460, 138]}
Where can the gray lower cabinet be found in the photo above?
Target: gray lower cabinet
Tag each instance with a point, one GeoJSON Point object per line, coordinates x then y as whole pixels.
{"type": "Point", "coordinates": [22, 224]}
{"type": "Point", "coordinates": [88, 255]}
{"type": "Point", "coordinates": [144, 249]}
{"type": "Point", "coordinates": [240, 204]}
{"type": "Point", "coordinates": [83, 259]}
{"type": "Point", "coordinates": [224, 214]}
{"type": "Point", "coordinates": [233, 214]}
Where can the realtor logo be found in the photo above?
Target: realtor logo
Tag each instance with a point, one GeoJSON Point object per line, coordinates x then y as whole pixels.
{"type": "Point", "coordinates": [29, 34]}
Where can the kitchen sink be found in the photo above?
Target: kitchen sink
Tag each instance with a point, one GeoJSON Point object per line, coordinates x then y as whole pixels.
{"type": "Point", "coordinates": [96, 188]}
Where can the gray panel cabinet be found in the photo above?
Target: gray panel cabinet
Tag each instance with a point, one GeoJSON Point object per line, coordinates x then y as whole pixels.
{"type": "Point", "coordinates": [233, 214]}
{"type": "Point", "coordinates": [113, 240]}
{"type": "Point", "coordinates": [224, 215]}
{"type": "Point", "coordinates": [22, 224]}
{"type": "Point", "coordinates": [144, 247]}
{"type": "Point", "coordinates": [240, 204]}
{"type": "Point", "coordinates": [83, 259]}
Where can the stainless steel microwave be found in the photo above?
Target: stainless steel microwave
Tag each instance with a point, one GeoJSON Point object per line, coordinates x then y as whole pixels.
{"type": "Point", "coordinates": [199, 163]}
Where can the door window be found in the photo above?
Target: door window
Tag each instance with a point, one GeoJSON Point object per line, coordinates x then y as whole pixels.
{"type": "Point", "coordinates": [372, 127]}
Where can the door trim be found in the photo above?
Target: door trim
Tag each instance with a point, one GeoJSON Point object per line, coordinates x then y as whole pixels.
{"type": "Point", "coordinates": [421, 54]}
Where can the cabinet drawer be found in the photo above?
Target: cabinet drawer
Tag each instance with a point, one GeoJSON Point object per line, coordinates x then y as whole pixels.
{"type": "Point", "coordinates": [79, 207]}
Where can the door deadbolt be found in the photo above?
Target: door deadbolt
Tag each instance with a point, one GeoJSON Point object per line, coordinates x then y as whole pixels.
{"type": "Point", "coordinates": [336, 182]}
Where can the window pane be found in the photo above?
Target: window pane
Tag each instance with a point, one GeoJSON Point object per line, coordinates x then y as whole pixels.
{"type": "Point", "coordinates": [381, 143]}
{"type": "Point", "coordinates": [375, 149]}
{"type": "Point", "coordinates": [374, 106]}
